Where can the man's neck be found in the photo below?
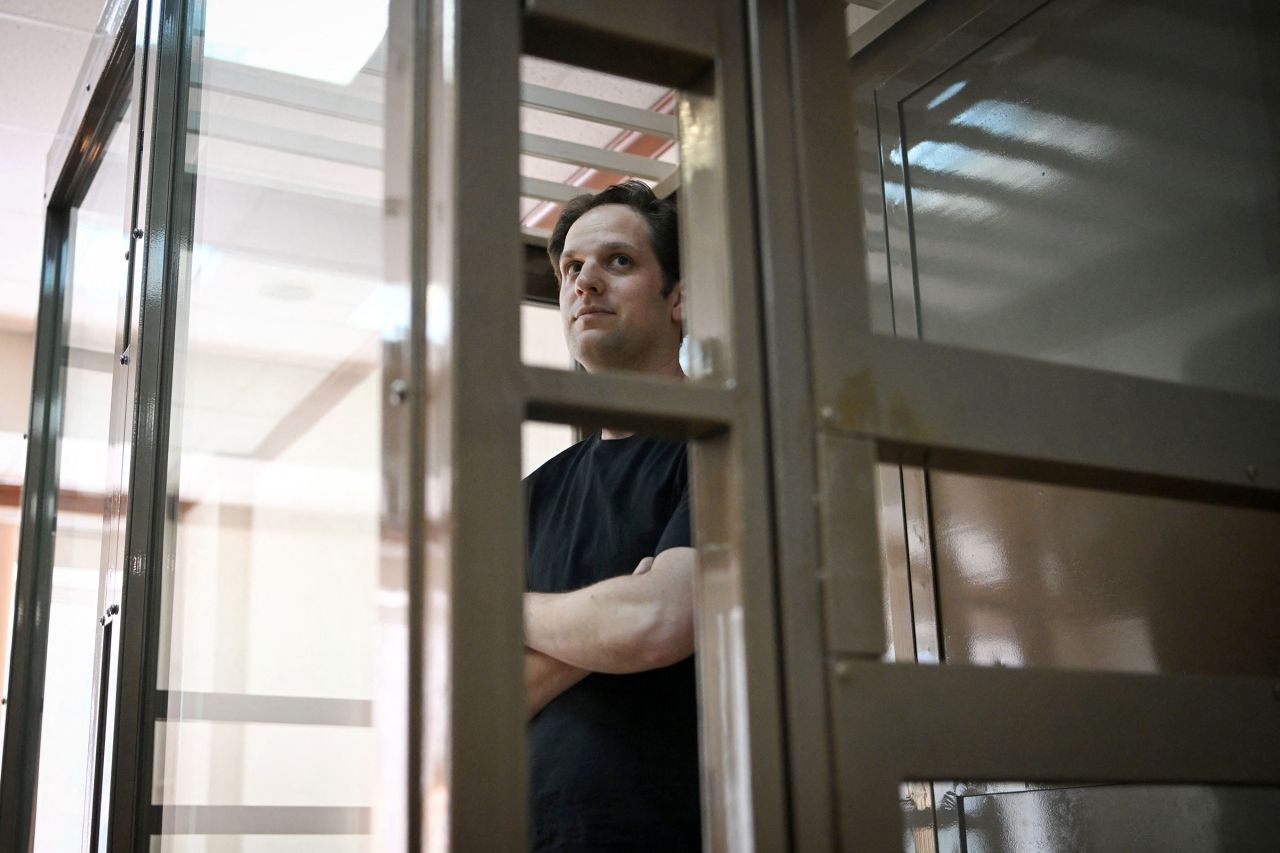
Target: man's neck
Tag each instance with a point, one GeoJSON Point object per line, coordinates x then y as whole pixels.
{"type": "Point", "coordinates": [670, 371]}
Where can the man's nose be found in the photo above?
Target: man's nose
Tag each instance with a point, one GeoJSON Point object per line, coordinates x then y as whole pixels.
{"type": "Point", "coordinates": [589, 278]}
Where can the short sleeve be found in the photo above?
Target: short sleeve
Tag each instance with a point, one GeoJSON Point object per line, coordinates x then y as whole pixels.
{"type": "Point", "coordinates": [679, 530]}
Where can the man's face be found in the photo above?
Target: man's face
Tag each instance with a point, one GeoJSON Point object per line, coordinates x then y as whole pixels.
{"type": "Point", "coordinates": [615, 316]}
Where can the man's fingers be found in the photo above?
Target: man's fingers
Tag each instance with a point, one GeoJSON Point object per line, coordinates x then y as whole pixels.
{"type": "Point", "coordinates": [645, 565]}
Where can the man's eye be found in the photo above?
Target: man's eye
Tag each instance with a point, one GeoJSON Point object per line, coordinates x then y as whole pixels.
{"type": "Point", "coordinates": [622, 260]}
{"type": "Point", "coordinates": [573, 266]}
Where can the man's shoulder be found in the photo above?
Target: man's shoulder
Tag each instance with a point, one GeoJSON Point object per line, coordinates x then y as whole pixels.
{"type": "Point", "coordinates": [559, 465]}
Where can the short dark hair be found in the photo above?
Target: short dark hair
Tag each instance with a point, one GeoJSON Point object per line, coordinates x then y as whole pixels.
{"type": "Point", "coordinates": [660, 213]}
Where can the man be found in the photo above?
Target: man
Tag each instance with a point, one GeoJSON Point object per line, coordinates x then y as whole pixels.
{"type": "Point", "coordinates": [613, 748]}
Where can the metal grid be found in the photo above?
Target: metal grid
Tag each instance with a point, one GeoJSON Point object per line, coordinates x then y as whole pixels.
{"type": "Point", "coordinates": [900, 400]}
{"type": "Point", "coordinates": [473, 795]}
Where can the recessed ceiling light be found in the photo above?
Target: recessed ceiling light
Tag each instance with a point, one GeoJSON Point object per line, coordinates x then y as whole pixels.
{"type": "Point", "coordinates": [329, 40]}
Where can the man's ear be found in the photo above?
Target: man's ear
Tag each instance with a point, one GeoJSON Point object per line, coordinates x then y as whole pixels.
{"type": "Point", "coordinates": [677, 303]}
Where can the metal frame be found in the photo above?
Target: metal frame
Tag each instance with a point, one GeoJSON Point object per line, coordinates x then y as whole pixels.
{"type": "Point", "coordinates": [1215, 442]}
{"type": "Point", "coordinates": [1116, 728]}
{"type": "Point", "coordinates": [74, 160]}
{"type": "Point", "coordinates": [665, 42]}
{"type": "Point", "coordinates": [903, 401]}
{"type": "Point", "coordinates": [164, 84]}
{"type": "Point", "coordinates": [400, 698]}
{"type": "Point", "coordinates": [32, 587]}
{"type": "Point", "coordinates": [472, 763]}
{"type": "Point", "coordinates": [794, 473]}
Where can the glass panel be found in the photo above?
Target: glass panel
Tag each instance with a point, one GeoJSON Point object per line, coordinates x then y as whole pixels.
{"type": "Point", "coordinates": [1098, 187]}
{"type": "Point", "coordinates": [274, 539]}
{"type": "Point", "coordinates": [265, 764]}
{"type": "Point", "coordinates": [1013, 816]}
{"type": "Point", "coordinates": [1031, 574]}
{"type": "Point", "coordinates": [93, 286]}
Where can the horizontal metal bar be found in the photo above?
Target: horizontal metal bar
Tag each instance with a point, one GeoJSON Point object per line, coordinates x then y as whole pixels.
{"type": "Point", "coordinates": [267, 86]}
{"type": "Point", "coordinates": [1037, 726]}
{"type": "Point", "coordinates": [597, 110]}
{"type": "Point", "coordinates": [187, 705]}
{"type": "Point", "coordinates": [271, 87]}
{"type": "Point", "coordinates": [597, 158]}
{"type": "Point", "coordinates": [668, 42]}
{"type": "Point", "coordinates": [658, 407]}
{"type": "Point", "coordinates": [974, 410]}
{"type": "Point", "coordinates": [550, 190]}
{"type": "Point", "coordinates": [259, 820]}
{"type": "Point", "coordinates": [100, 93]}
{"type": "Point", "coordinates": [668, 185]}
{"type": "Point", "coordinates": [1050, 726]}
{"type": "Point", "coordinates": [281, 138]}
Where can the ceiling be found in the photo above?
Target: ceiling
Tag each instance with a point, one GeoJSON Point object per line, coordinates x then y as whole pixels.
{"type": "Point", "coordinates": [43, 43]}
{"type": "Point", "coordinates": [288, 227]}
{"type": "Point", "coordinates": [281, 156]}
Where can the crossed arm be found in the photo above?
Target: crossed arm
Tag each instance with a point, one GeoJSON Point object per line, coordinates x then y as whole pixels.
{"type": "Point", "coordinates": [624, 624]}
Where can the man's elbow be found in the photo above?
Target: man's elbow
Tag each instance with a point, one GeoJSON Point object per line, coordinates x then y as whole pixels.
{"type": "Point", "coordinates": [668, 641]}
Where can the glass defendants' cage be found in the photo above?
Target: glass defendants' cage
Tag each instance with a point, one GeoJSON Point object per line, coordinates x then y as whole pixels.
{"type": "Point", "coordinates": [981, 401]}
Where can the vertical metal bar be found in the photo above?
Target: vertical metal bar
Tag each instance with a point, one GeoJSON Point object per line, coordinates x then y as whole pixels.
{"type": "Point", "coordinates": [743, 787]}
{"type": "Point", "coordinates": [852, 587]}
{"type": "Point", "coordinates": [830, 210]}
{"type": "Point", "coordinates": [924, 583]}
{"type": "Point", "coordinates": [401, 687]}
{"type": "Point", "coordinates": [167, 234]}
{"type": "Point", "coordinates": [33, 585]}
{"type": "Point", "coordinates": [119, 444]}
{"type": "Point", "coordinates": [112, 540]}
{"type": "Point", "coordinates": [792, 426]}
{"type": "Point", "coordinates": [474, 552]}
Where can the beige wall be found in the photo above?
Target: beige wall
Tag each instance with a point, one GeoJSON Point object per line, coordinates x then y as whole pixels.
{"type": "Point", "coordinates": [15, 380]}
{"type": "Point", "coordinates": [15, 402]}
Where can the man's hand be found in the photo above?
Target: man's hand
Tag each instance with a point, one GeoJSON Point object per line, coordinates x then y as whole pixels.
{"type": "Point", "coordinates": [545, 678]}
{"type": "Point", "coordinates": [625, 624]}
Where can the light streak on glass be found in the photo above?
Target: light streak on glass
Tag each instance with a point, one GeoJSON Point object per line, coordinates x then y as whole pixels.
{"type": "Point", "coordinates": [1025, 124]}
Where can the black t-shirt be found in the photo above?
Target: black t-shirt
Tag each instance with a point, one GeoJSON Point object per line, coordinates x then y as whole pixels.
{"type": "Point", "coordinates": [613, 761]}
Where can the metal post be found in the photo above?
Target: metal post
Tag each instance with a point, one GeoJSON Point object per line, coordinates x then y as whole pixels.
{"type": "Point", "coordinates": [474, 747]}
{"type": "Point", "coordinates": [35, 550]}
{"type": "Point", "coordinates": [166, 59]}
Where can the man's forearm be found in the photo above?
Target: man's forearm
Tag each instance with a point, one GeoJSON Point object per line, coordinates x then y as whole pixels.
{"type": "Point", "coordinates": [625, 624]}
{"type": "Point", "coordinates": [545, 678]}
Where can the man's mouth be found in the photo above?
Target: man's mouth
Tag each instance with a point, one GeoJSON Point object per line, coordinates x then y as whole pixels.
{"type": "Point", "coordinates": [592, 310]}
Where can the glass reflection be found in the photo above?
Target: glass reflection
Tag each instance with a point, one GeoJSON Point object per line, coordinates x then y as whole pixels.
{"type": "Point", "coordinates": [1001, 817]}
{"type": "Point", "coordinates": [275, 540]}
{"type": "Point", "coordinates": [1070, 207]}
